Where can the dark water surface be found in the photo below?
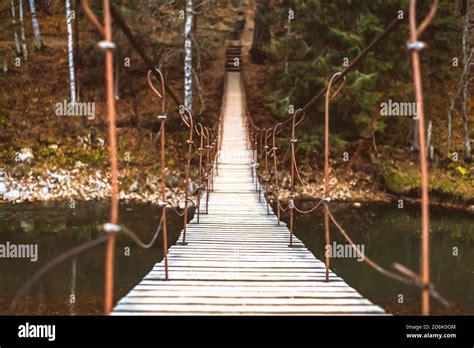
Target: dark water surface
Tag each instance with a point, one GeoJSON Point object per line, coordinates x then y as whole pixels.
{"type": "Point", "coordinates": [56, 228]}
{"type": "Point", "coordinates": [391, 235]}
{"type": "Point", "coordinates": [388, 234]}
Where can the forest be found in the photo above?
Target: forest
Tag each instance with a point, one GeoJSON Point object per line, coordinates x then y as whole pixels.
{"type": "Point", "coordinates": [284, 66]}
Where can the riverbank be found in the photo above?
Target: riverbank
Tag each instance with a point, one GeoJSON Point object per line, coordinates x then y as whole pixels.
{"type": "Point", "coordinates": [137, 185]}
{"type": "Point", "coordinates": [83, 183]}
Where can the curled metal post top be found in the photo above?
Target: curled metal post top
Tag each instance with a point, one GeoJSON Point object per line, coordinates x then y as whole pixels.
{"type": "Point", "coordinates": [155, 90]}
{"type": "Point", "coordinates": [187, 117]}
{"type": "Point", "coordinates": [206, 130]}
{"type": "Point", "coordinates": [342, 83]}
{"type": "Point", "coordinates": [200, 130]}
{"type": "Point", "coordinates": [267, 134]}
{"type": "Point", "coordinates": [415, 32]}
{"type": "Point", "coordinates": [92, 17]}
{"type": "Point", "coordinates": [297, 112]}
{"type": "Point", "coordinates": [425, 23]}
{"type": "Point", "coordinates": [274, 133]}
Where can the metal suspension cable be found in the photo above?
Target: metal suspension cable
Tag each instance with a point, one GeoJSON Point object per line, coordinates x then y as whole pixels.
{"type": "Point", "coordinates": [410, 277]}
{"type": "Point", "coordinates": [133, 41]}
{"type": "Point", "coordinates": [379, 38]}
{"type": "Point", "coordinates": [122, 24]}
{"type": "Point", "coordinates": [125, 230]}
{"type": "Point", "coordinates": [354, 63]}
{"type": "Point", "coordinates": [316, 206]}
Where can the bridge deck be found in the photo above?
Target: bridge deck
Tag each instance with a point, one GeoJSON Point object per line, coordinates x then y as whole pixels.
{"type": "Point", "coordinates": [237, 260]}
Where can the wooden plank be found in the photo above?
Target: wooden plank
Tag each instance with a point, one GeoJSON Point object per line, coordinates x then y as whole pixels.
{"type": "Point", "coordinates": [245, 301]}
{"type": "Point", "coordinates": [194, 249]}
{"type": "Point", "coordinates": [242, 284]}
{"type": "Point", "coordinates": [225, 309]}
{"type": "Point", "coordinates": [246, 264]}
{"type": "Point", "coordinates": [220, 271]}
{"type": "Point", "coordinates": [235, 293]}
{"type": "Point", "coordinates": [237, 276]}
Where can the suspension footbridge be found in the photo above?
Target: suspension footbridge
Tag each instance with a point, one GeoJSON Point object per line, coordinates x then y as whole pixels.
{"type": "Point", "coordinates": [237, 259]}
{"type": "Point", "coordinates": [236, 256]}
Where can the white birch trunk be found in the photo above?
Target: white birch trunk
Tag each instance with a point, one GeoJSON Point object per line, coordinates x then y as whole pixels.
{"type": "Point", "coordinates": [22, 29]}
{"type": "Point", "coordinates": [465, 89]}
{"type": "Point", "coordinates": [188, 54]}
{"type": "Point", "coordinates": [70, 50]}
{"type": "Point", "coordinates": [36, 29]}
{"type": "Point", "coordinates": [17, 42]}
{"type": "Point", "coordinates": [429, 133]}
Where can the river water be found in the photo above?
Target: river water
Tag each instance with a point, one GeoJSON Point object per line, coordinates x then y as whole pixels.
{"type": "Point", "coordinates": [391, 235]}
{"type": "Point", "coordinates": [75, 287]}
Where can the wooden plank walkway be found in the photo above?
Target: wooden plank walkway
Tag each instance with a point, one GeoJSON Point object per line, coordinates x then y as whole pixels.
{"type": "Point", "coordinates": [237, 260]}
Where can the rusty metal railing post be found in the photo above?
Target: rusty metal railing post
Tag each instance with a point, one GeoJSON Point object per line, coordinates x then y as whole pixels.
{"type": "Point", "coordinates": [213, 158]}
{"type": "Point", "coordinates": [208, 167]}
{"type": "Point", "coordinates": [327, 198]}
{"type": "Point", "coordinates": [275, 169]}
{"type": "Point", "coordinates": [200, 131]}
{"type": "Point", "coordinates": [109, 67]}
{"type": "Point", "coordinates": [415, 46]}
{"type": "Point", "coordinates": [291, 201]}
{"type": "Point", "coordinates": [252, 148]}
{"type": "Point", "coordinates": [108, 46]}
{"type": "Point", "coordinates": [259, 186]}
{"type": "Point", "coordinates": [162, 118]}
{"type": "Point", "coordinates": [188, 120]}
{"type": "Point", "coordinates": [255, 160]}
{"type": "Point", "coordinates": [266, 179]}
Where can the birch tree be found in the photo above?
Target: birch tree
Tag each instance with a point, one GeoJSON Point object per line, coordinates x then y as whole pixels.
{"type": "Point", "coordinates": [17, 42]}
{"type": "Point", "coordinates": [467, 49]}
{"type": "Point", "coordinates": [36, 29]}
{"type": "Point", "coordinates": [188, 56]}
{"type": "Point", "coordinates": [70, 15]}
{"type": "Point", "coordinates": [77, 56]}
{"type": "Point", "coordinates": [22, 30]}
{"type": "Point", "coordinates": [465, 8]}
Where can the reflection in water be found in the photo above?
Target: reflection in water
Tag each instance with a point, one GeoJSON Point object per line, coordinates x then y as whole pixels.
{"type": "Point", "coordinates": [393, 235]}
{"type": "Point", "coordinates": [72, 296]}
{"type": "Point", "coordinates": [75, 287]}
